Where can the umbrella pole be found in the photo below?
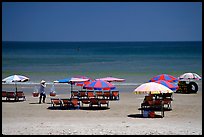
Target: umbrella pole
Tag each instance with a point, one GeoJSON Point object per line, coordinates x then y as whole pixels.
{"type": "Point", "coordinates": [16, 89]}
{"type": "Point", "coordinates": [71, 87]}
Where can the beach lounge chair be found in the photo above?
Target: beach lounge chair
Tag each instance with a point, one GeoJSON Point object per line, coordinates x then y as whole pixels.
{"type": "Point", "coordinates": [94, 101]}
{"type": "Point", "coordinates": [74, 94]}
{"type": "Point", "coordinates": [115, 95]}
{"type": "Point", "coordinates": [56, 102]}
{"type": "Point", "coordinates": [4, 94]}
{"type": "Point", "coordinates": [106, 95]}
{"type": "Point", "coordinates": [82, 94]}
{"type": "Point", "coordinates": [148, 101]}
{"type": "Point", "coordinates": [90, 94]}
{"type": "Point", "coordinates": [99, 94]}
{"type": "Point", "coordinates": [75, 103]}
{"type": "Point", "coordinates": [65, 102]}
{"type": "Point", "coordinates": [19, 95]}
{"type": "Point", "coordinates": [11, 94]}
{"type": "Point", "coordinates": [85, 101]}
{"type": "Point", "coordinates": [167, 98]}
{"type": "Point", "coordinates": [103, 102]}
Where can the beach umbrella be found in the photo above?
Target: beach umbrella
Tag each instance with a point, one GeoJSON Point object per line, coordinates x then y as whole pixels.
{"type": "Point", "coordinates": [189, 76]}
{"type": "Point", "coordinates": [84, 82]}
{"type": "Point", "coordinates": [170, 85]}
{"type": "Point", "coordinates": [111, 79]}
{"type": "Point", "coordinates": [165, 77]}
{"type": "Point", "coordinates": [15, 78]}
{"type": "Point", "coordinates": [100, 85]}
{"type": "Point", "coordinates": [152, 88]}
{"type": "Point", "coordinates": [71, 81]}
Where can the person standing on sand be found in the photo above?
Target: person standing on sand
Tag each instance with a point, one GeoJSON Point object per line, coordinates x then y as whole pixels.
{"type": "Point", "coordinates": [42, 91]}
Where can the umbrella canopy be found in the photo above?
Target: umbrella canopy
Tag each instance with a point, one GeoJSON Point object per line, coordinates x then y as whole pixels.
{"type": "Point", "coordinates": [189, 76]}
{"type": "Point", "coordinates": [165, 77]}
{"type": "Point", "coordinates": [15, 78]}
{"type": "Point", "coordinates": [100, 85]}
{"type": "Point", "coordinates": [111, 79]}
{"type": "Point", "coordinates": [84, 83]}
{"type": "Point", "coordinates": [71, 81]}
{"type": "Point", "coordinates": [172, 86]}
{"type": "Point", "coordinates": [152, 88]}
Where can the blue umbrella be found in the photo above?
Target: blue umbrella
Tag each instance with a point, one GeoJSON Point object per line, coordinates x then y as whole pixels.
{"type": "Point", "coordinates": [71, 81]}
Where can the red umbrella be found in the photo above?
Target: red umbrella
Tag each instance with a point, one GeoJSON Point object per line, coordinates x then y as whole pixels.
{"type": "Point", "coordinates": [165, 77]}
{"type": "Point", "coordinates": [100, 85]}
{"type": "Point", "coordinates": [84, 83]}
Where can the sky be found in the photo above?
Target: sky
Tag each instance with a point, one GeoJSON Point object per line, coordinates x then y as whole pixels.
{"type": "Point", "coordinates": [101, 21]}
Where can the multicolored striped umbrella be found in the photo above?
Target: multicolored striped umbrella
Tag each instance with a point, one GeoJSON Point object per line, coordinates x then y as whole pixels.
{"type": "Point", "coordinates": [152, 88]}
{"type": "Point", "coordinates": [189, 76]}
{"type": "Point", "coordinates": [165, 77]}
{"type": "Point", "coordinates": [99, 85]}
{"type": "Point", "coordinates": [172, 86]}
{"type": "Point", "coordinates": [84, 83]}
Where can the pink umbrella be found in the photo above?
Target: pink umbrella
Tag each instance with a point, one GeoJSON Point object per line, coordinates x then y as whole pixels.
{"type": "Point", "coordinates": [111, 79]}
{"type": "Point", "coordinates": [100, 85]}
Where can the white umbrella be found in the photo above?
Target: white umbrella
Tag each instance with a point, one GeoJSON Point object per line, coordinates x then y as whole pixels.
{"type": "Point", "coordinates": [112, 79]}
{"type": "Point", "coordinates": [152, 88]}
{"type": "Point", "coordinates": [189, 76]}
{"type": "Point", "coordinates": [15, 78]}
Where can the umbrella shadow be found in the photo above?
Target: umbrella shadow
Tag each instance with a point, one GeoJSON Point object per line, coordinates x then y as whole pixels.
{"type": "Point", "coordinates": [94, 108]}
{"type": "Point", "coordinates": [141, 116]}
{"type": "Point", "coordinates": [38, 103]}
{"type": "Point", "coordinates": [13, 101]}
{"type": "Point", "coordinates": [185, 93]}
{"type": "Point", "coordinates": [59, 108]}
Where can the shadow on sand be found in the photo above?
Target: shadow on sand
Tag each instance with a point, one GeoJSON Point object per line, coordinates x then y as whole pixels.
{"type": "Point", "coordinates": [75, 108]}
{"type": "Point", "coordinates": [38, 103]}
{"type": "Point", "coordinates": [13, 101]}
{"type": "Point", "coordinates": [140, 116]}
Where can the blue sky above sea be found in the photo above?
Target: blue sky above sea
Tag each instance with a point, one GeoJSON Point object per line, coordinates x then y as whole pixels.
{"type": "Point", "coordinates": [102, 21]}
{"type": "Point", "coordinates": [64, 39]}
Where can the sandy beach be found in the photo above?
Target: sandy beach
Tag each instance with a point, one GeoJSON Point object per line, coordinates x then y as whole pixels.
{"type": "Point", "coordinates": [121, 118]}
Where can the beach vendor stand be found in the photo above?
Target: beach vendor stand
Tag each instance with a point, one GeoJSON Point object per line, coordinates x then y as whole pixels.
{"type": "Point", "coordinates": [52, 91]}
{"type": "Point", "coordinates": [35, 92]}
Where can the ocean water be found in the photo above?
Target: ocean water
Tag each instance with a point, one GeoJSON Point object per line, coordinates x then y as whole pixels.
{"type": "Point", "coordinates": [136, 62]}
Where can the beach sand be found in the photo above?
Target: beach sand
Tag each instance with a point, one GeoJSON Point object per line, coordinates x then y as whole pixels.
{"type": "Point", "coordinates": [122, 118]}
